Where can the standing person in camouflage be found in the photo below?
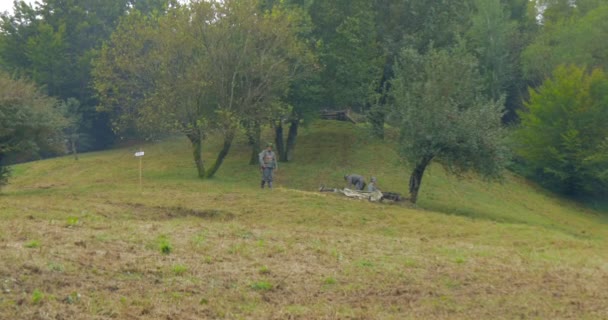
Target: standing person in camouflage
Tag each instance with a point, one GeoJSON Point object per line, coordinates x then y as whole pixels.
{"type": "Point", "coordinates": [355, 180]}
{"type": "Point", "coordinates": [268, 163]}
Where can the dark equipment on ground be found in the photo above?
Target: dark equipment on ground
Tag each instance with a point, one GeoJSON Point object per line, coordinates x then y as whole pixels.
{"type": "Point", "coordinates": [339, 115]}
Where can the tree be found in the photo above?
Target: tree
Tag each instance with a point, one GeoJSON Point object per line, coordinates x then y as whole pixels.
{"type": "Point", "coordinates": [73, 116]}
{"type": "Point", "coordinates": [563, 132]}
{"type": "Point", "coordinates": [443, 116]}
{"type": "Point", "coordinates": [30, 122]}
{"type": "Point", "coordinates": [54, 42]}
{"type": "Point", "coordinates": [349, 51]}
{"type": "Point", "coordinates": [206, 67]}
{"type": "Point", "coordinates": [305, 93]}
{"type": "Point", "coordinates": [489, 33]}
{"type": "Point", "coordinates": [581, 40]}
{"type": "Point", "coordinates": [417, 24]}
{"type": "Point", "coordinates": [497, 36]}
{"type": "Point", "coordinates": [303, 99]}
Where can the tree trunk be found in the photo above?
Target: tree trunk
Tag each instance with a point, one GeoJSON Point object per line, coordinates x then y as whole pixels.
{"type": "Point", "coordinates": [376, 118]}
{"type": "Point", "coordinates": [73, 147]}
{"type": "Point", "coordinates": [416, 178]}
{"type": "Point", "coordinates": [197, 152]}
{"type": "Point", "coordinates": [4, 172]}
{"type": "Point", "coordinates": [254, 133]}
{"type": "Point", "coordinates": [228, 137]}
{"type": "Point", "coordinates": [278, 140]}
{"type": "Point", "coordinates": [291, 139]}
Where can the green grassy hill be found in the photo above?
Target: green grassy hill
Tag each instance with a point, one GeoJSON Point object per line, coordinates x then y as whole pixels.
{"type": "Point", "coordinates": [80, 240]}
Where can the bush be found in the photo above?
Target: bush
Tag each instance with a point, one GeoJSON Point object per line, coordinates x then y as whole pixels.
{"type": "Point", "coordinates": [563, 137]}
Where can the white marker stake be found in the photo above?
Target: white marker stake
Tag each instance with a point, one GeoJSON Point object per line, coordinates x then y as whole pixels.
{"type": "Point", "coordinates": [140, 155]}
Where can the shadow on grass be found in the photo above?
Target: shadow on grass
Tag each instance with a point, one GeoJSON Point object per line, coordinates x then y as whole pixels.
{"type": "Point", "coordinates": [473, 214]}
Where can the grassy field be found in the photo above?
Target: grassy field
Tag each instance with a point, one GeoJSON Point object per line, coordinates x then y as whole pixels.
{"type": "Point", "coordinates": [80, 240]}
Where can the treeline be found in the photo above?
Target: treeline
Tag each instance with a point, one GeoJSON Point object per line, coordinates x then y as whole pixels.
{"type": "Point", "coordinates": [451, 76]}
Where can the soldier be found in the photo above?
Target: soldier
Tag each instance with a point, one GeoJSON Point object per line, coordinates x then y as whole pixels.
{"type": "Point", "coordinates": [355, 180]}
{"type": "Point", "coordinates": [373, 185]}
{"type": "Point", "coordinates": [268, 163]}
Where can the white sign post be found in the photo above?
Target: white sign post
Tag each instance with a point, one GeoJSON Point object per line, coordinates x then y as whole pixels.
{"type": "Point", "coordinates": [140, 155]}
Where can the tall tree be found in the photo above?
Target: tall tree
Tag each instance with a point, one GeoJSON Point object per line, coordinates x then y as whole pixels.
{"type": "Point", "coordinates": [417, 24]}
{"type": "Point", "coordinates": [209, 66]}
{"type": "Point", "coordinates": [580, 40]}
{"type": "Point", "coordinates": [497, 36]}
{"type": "Point", "coordinates": [490, 32]}
{"type": "Point", "coordinates": [54, 42]}
{"type": "Point", "coordinates": [350, 52]}
{"type": "Point", "coordinates": [443, 116]}
{"type": "Point", "coordinates": [30, 121]}
{"type": "Point", "coordinates": [563, 133]}
{"type": "Point", "coordinates": [303, 100]}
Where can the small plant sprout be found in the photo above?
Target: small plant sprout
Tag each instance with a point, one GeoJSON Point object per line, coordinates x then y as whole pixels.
{"type": "Point", "coordinates": [72, 222]}
{"type": "Point", "coordinates": [261, 286]}
{"type": "Point", "coordinates": [33, 244]}
{"type": "Point", "coordinates": [164, 245]}
{"type": "Point", "coordinates": [264, 270]}
{"type": "Point", "coordinates": [179, 269]}
{"type": "Point", "coordinates": [37, 296]}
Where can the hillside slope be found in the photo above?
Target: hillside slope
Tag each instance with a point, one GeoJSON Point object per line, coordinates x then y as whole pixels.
{"type": "Point", "coordinates": [80, 240]}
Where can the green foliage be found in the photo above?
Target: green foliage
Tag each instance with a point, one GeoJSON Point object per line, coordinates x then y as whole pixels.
{"type": "Point", "coordinates": [581, 40]}
{"type": "Point", "coordinates": [54, 43]}
{"type": "Point", "coordinates": [563, 133]}
{"type": "Point", "coordinates": [443, 116]}
{"type": "Point", "coordinates": [32, 244]}
{"type": "Point", "coordinates": [264, 270]}
{"type": "Point", "coordinates": [418, 24]}
{"type": "Point", "coordinates": [74, 130]}
{"type": "Point", "coordinates": [37, 296]}
{"type": "Point", "coordinates": [262, 286]}
{"type": "Point", "coordinates": [72, 222]}
{"type": "Point", "coordinates": [421, 24]}
{"type": "Point", "coordinates": [490, 35]}
{"type": "Point", "coordinates": [194, 73]}
{"type": "Point", "coordinates": [558, 11]}
{"type": "Point", "coordinates": [164, 244]}
{"type": "Point", "coordinates": [179, 269]}
{"type": "Point", "coordinates": [30, 122]}
{"type": "Point", "coordinates": [349, 51]}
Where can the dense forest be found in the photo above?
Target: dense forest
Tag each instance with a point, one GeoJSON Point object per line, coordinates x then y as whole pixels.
{"type": "Point", "coordinates": [474, 85]}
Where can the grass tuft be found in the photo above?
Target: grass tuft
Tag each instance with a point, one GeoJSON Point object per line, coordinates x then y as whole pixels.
{"type": "Point", "coordinates": [261, 286]}
{"type": "Point", "coordinates": [164, 245]}
{"type": "Point", "coordinates": [32, 244]}
{"type": "Point", "coordinates": [37, 296]}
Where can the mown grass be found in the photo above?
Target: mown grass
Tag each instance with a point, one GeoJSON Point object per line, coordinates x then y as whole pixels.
{"type": "Point", "coordinates": [182, 248]}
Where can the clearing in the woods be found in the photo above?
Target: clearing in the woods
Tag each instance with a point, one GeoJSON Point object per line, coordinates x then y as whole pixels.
{"type": "Point", "coordinates": [80, 240]}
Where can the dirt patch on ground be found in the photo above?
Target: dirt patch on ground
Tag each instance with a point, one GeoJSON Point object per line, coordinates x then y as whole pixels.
{"type": "Point", "coordinates": [160, 213]}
